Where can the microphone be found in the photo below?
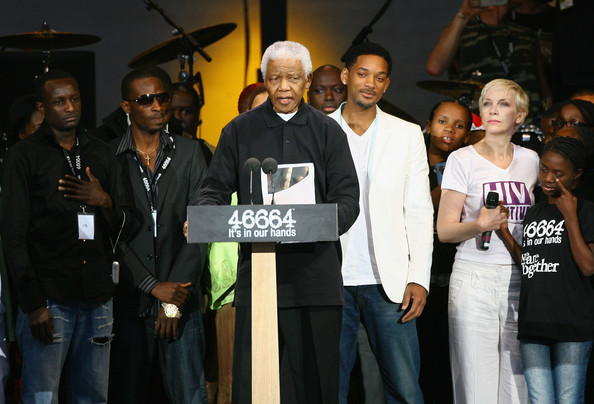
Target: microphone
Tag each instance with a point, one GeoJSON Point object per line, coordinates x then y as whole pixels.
{"type": "Point", "coordinates": [269, 166]}
{"type": "Point", "coordinates": [252, 165]}
{"type": "Point", "coordinates": [491, 203]}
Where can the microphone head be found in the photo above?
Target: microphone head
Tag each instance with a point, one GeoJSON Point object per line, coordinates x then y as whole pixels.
{"type": "Point", "coordinates": [252, 164]}
{"type": "Point", "coordinates": [269, 165]}
{"type": "Point", "coordinates": [492, 199]}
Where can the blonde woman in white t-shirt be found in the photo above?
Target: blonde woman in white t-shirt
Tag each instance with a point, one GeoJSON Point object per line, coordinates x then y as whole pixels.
{"type": "Point", "coordinates": [485, 283]}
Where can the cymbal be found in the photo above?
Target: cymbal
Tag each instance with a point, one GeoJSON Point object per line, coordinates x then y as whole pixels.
{"type": "Point", "coordinates": [452, 88]}
{"type": "Point", "coordinates": [168, 50]}
{"type": "Point", "coordinates": [47, 39]}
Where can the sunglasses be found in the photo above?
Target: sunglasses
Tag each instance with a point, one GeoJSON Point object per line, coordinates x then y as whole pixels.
{"type": "Point", "coordinates": [146, 100]}
{"type": "Point", "coordinates": [569, 124]}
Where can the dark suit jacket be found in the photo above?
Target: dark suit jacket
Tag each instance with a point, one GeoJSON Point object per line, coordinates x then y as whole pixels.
{"type": "Point", "coordinates": [168, 257]}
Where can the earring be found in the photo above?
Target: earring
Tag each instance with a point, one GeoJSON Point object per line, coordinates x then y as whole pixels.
{"type": "Point", "coordinates": [128, 118]}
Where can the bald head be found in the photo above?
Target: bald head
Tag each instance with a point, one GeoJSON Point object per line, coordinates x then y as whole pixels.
{"type": "Point", "coordinates": [326, 92]}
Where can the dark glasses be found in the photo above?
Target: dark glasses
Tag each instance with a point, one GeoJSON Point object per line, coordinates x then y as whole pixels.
{"type": "Point", "coordinates": [146, 100]}
{"type": "Point", "coordinates": [559, 124]}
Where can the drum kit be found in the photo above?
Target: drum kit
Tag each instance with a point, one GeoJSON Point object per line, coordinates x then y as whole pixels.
{"type": "Point", "coordinates": [181, 47]}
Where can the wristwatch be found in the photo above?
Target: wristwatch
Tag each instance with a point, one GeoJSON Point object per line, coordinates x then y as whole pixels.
{"type": "Point", "coordinates": [171, 310]}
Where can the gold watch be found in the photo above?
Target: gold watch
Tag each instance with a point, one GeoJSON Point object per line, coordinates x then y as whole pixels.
{"type": "Point", "coordinates": [171, 310]}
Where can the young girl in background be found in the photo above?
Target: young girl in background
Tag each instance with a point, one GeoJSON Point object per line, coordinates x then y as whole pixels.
{"type": "Point", "coordinates": [447, 130]}
{"type": "Point", "coordinates": [556, 310]}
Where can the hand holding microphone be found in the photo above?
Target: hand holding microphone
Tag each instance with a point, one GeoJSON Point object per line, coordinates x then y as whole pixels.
{"type": "Point", "coordinates": [492, 218]}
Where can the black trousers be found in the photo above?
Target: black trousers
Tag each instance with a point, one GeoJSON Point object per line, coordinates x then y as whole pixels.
{"type": "Point", "coordinates": [309, 338]}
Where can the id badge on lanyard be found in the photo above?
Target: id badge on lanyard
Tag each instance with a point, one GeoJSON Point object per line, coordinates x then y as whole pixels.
{"type": "Point", "coordinates": [154, 215]}
{"type": "Point", "coordinates": [86, 226]}
{"type": "Point", "coordinates": [86, 221]}
{"type": "Point", "coordinates": [151, 189]}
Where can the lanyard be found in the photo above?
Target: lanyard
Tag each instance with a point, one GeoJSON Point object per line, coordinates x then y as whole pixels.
{"type": "Point", "coordinates": [151, 187]}
{"type": "Point", "coordinates": [75, 168]}
{"type": "Point", "coordinates": [510, 43]}
{"type": "Point", "coordinates": [77, 161]}
{"type": "Point", "coordinates": [373, 136]}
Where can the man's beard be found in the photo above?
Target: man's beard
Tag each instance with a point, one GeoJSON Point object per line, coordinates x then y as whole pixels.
{"type": "Point", "coordinates": [364, 105]}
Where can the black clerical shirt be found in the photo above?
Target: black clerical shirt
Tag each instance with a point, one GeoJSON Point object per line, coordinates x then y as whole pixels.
{"type": "Point", "coordinates": [40, 227]}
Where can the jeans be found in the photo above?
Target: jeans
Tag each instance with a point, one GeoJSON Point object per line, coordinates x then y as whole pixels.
{"type": "Point", "coordinates": [79, 352]}
{"type": "Point", "coordinates": [4, 365]}
{"type": "Point", "coordinates": [484, 349]}
{"type": "Point", "coordinates": [394, 344]}
{"type": "Point", "coordinates": [139, 362]}
{"type": "Point", "coordinates": [555, 371]}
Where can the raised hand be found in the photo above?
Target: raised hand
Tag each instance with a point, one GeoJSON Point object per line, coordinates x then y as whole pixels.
{"type": "Point", "coordinates": [88, 192]}
{"type": "Point", "coordinates": [468, 11]}
{"type": "Point", "coordinates": [566, 202]}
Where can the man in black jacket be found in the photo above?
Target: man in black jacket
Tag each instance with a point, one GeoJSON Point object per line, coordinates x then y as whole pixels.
{"type": "Point", "coordinates": [158, 325]}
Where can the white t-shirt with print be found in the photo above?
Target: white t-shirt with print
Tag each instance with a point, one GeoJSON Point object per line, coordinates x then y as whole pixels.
{"type": "Point", "coordinates": [470, 173]}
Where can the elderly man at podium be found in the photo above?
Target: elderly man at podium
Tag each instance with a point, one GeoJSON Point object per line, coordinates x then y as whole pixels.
{"type": "Point", "coordinates": [309, 282]}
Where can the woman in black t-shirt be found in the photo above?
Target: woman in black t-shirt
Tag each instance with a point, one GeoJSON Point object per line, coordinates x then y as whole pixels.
{"type": "Point", "coordinates": [556, 312]}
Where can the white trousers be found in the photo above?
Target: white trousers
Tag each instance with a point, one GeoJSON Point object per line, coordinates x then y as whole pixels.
{"type": "Point", "coordinates": [483, 325]}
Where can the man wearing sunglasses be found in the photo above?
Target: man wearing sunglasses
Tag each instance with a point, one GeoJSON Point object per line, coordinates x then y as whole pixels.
{"type": "Point", "coordinates": [158, 323]}
{"type": "Point", "coordinates": [56, 231]}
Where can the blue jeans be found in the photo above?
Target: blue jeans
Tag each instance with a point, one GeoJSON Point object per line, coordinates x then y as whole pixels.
{"type": "Point", "coordinates": [136, 354]}
{"type": "Point", "coordinates": [394, 344]}
{"type": "Point", "coordinates": [555, 371]}
{"type": "Point", "coordinates": [80, 350]}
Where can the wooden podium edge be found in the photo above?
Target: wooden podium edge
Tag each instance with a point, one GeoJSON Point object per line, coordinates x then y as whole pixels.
{"type": "Point", "coordinates": [265, 354]}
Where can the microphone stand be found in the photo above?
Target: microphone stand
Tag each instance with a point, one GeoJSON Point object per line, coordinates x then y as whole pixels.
{"type": "Point", "coordinates": [366, 30]}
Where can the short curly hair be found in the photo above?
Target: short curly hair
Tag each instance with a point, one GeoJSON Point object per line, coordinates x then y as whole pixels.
{"type": "Point", "coordinates": [287, 50]}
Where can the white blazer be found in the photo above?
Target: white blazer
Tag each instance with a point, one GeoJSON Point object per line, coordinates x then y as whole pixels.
{"type": "Point", "coordinates": [400, 207]}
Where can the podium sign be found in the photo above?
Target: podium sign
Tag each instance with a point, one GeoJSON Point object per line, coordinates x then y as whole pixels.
{"type": "Point", "coordinates": [262, 223]}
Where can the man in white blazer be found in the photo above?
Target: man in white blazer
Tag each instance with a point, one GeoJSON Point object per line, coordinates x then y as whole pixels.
{"type": "Point", "coordinates": [387, 252]}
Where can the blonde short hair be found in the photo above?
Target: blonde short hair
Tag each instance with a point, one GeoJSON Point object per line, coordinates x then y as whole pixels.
{"type": "Point", "coordinates": [520, 96]}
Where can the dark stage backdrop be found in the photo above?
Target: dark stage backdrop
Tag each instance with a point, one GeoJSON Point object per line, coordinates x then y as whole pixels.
{"type": "Point", "coordinates": [19, 69]}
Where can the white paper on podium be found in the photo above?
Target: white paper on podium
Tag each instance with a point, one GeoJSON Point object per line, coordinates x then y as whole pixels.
{"type": "Point", "coordinates": [294, 184]}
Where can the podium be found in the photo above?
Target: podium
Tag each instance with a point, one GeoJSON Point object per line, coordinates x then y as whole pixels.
{"type": "Point", "coordinates": [263, 226]}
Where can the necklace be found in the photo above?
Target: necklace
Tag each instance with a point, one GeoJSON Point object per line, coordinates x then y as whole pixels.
{"type": "Point", "coordinates": [147, 156]}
